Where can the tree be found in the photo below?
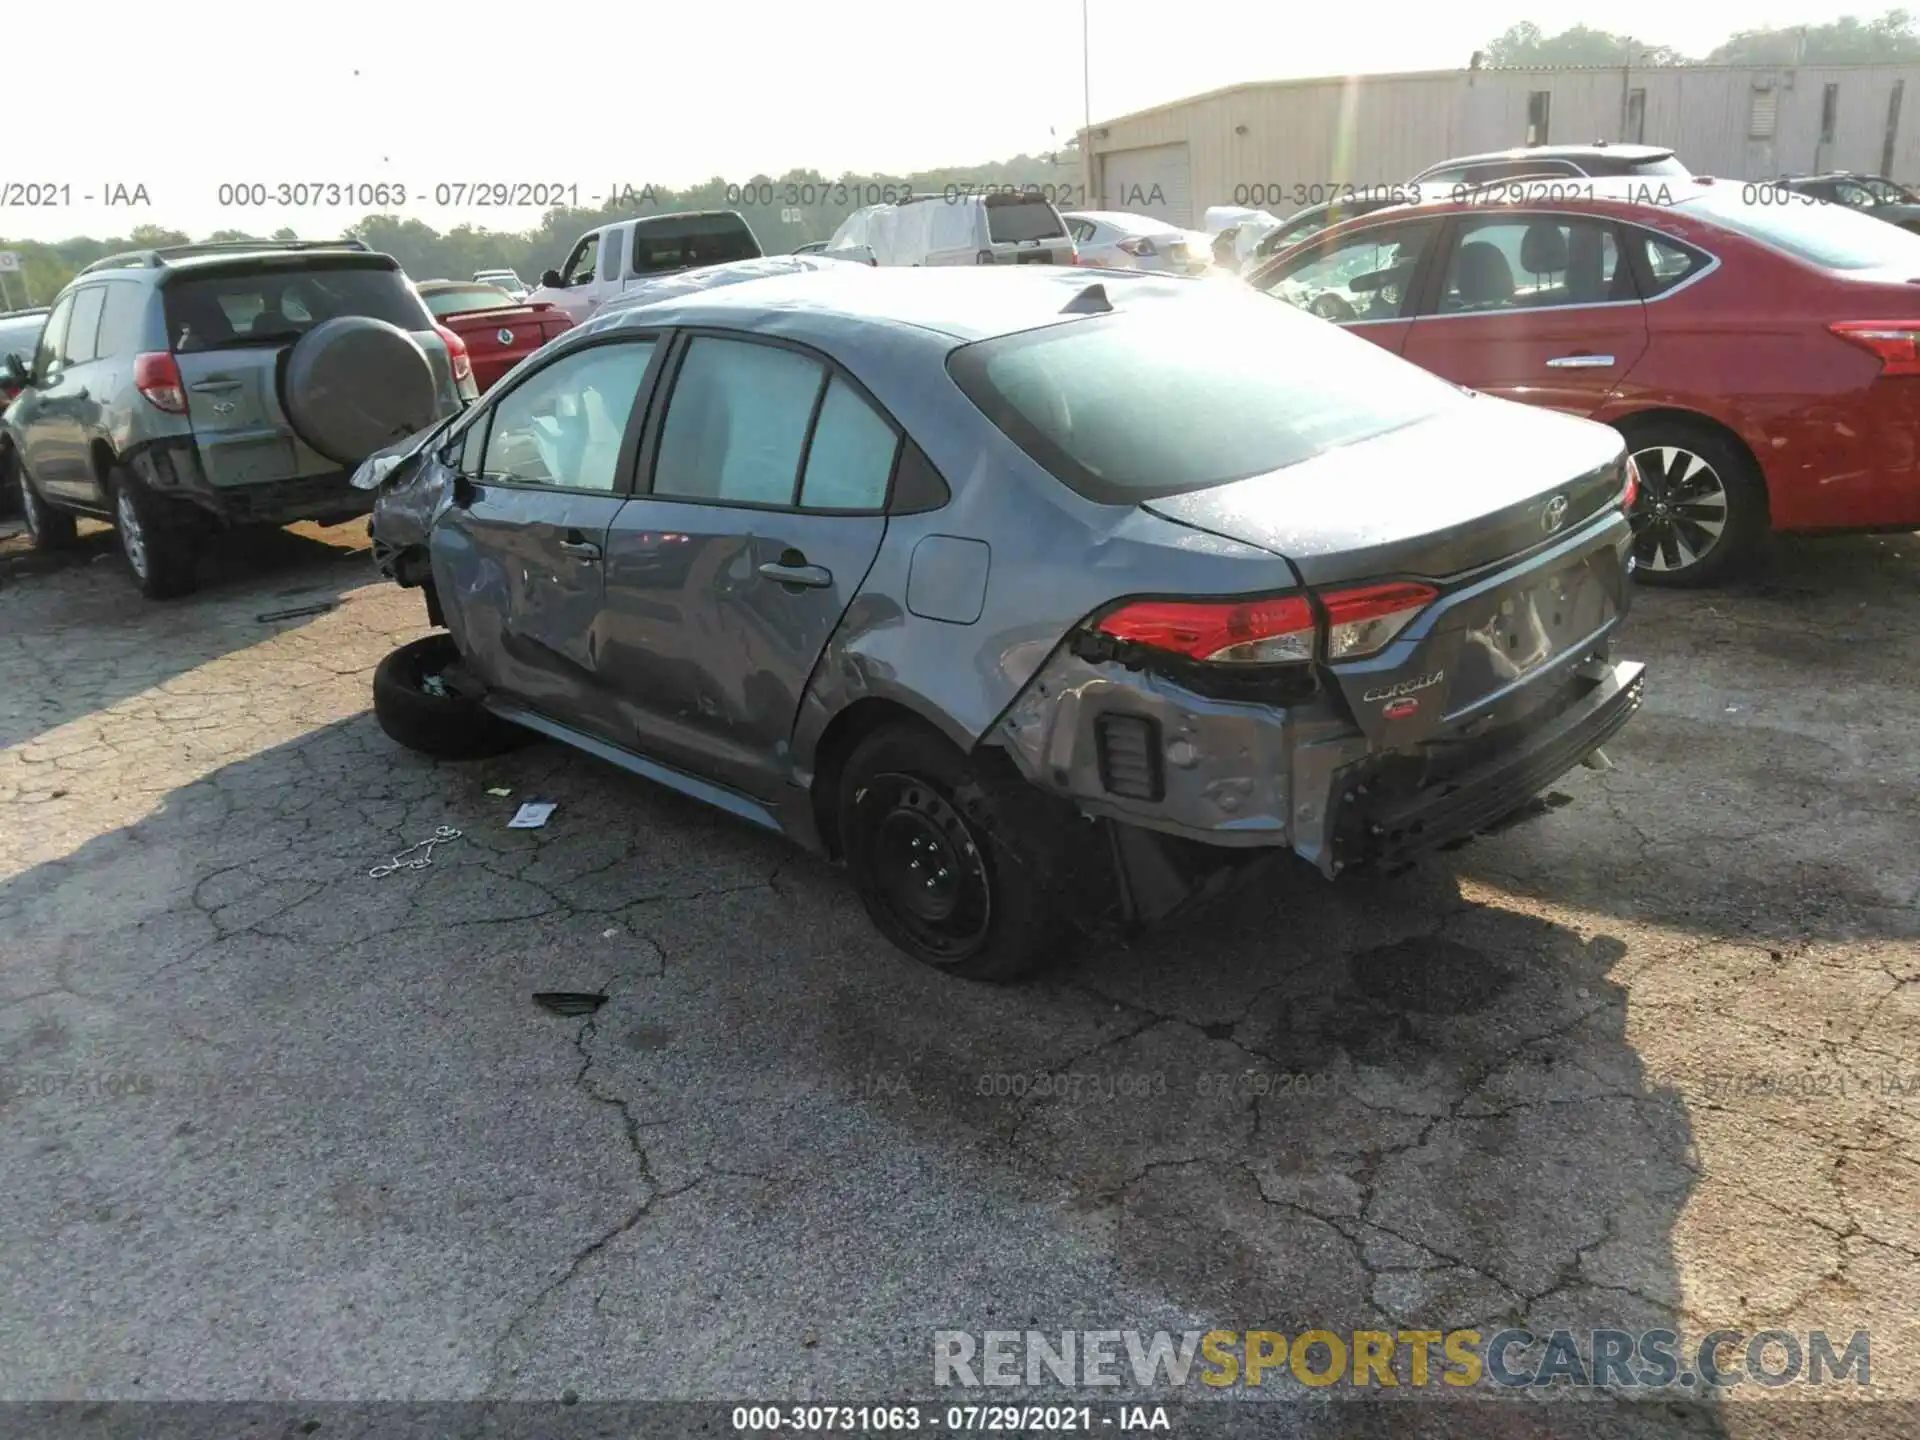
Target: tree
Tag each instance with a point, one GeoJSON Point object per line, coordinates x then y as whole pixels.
{"type": "Point", "coordinates": [1526, 44]}
{"type": "Point", "coordinates": [1888, 40]}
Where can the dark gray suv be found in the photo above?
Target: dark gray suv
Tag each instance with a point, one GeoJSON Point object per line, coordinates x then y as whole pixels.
{"type": "Point", "coordinates": [176, 391]}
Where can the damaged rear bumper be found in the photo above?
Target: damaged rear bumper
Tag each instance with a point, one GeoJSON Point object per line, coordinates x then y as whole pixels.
{"type": "Point", "coordinates": [172, 468]}
{"type": "Point", "coordinates": [1252, 777]}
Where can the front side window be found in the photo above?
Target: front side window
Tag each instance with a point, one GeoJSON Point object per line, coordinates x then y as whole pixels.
{"type": "Point", "coordinates": [563, 426]}
{"type": "Point", "coordinates": [579, 267]}
{"type": "Point", "coordinates": [737, 422]}
{"type": "Point", "coordinates": [1359, 277]}
{"type": "Point", "coordinates": [1533, 262]}
{"type": "Point", "coordinates": [1258, 387]}
{"type": "Point", "coordinates": [46, 356]}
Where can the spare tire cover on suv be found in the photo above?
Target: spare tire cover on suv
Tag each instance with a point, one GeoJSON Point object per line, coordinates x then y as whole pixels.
{"type": "Point", "coordinates": [355, 384]}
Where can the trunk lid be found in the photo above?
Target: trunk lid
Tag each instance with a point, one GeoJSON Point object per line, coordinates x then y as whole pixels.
{"type": "Point", "coordinates": [1465, 489]}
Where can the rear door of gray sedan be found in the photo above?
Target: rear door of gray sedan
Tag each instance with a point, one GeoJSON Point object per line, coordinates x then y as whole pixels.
{"type": "Point", "coordinates": [759, 509]}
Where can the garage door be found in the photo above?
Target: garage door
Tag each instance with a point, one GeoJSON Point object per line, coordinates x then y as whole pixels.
{"type": "Point", "coordinates": [1149, 182]}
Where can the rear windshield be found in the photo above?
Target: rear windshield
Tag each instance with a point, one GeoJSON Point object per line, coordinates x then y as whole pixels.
{"type": "Point", "coordinates": [1179, 397]}
{"type": "Point", "coordinates": [1828, 235]}
{"type": "Point", "coordinates": [466, 297]}
{"type": "Point", "coordinates": [708, 240]}
{"type": "Point", "coordinates": [1012, 221]}
{"type": "Point", "coordinates": [266, 305]}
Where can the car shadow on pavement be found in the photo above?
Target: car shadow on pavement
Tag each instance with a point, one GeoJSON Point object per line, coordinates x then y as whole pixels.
{"type": "Point", "coordinates": [254, 583]}
{"type": "Point", "coordinates": [1383, 1105]}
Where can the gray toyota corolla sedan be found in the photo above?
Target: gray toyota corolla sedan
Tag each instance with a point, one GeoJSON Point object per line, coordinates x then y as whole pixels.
{"type": "Point", "coordinates": [1038, 597]}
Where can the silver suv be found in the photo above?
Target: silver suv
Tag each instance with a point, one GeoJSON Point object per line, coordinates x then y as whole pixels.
{"type": "Point", "coordinates": [176, 391]}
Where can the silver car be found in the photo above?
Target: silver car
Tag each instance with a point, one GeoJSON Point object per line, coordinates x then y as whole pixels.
{"type": "Point", "coordinates": [947, 575]}
{"type": "Point", "coordinates": [1117, 240]}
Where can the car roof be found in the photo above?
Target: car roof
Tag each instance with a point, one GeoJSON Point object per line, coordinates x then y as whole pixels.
{"type": "Point", "coordinates": [1558, 152]}
{"type": "Point", "coordinates": [963, 302]}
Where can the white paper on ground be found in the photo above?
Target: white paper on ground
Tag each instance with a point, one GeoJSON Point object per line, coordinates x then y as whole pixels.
{"type": "Point", "coordinates": [532, 815]}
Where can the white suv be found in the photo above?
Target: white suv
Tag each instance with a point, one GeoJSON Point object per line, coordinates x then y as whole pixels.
{"type": "Point", "coordinates": [997, 228]}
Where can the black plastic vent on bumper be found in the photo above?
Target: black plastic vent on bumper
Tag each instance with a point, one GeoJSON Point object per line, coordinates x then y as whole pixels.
{"type": "Point", "coordinates": [1129, 754]}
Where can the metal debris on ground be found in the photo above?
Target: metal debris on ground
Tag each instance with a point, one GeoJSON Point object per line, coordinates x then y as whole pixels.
{"type": "Point", "coordinates": [418, 862]}
{"type": "Point", "coordinates": [298, 612]}
{"type": "Point", "coordinates": [568, 1002]}
{"type": "Point", "coordinates": [532, 815]}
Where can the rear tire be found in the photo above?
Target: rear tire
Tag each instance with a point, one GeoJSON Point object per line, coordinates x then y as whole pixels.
{"type": "Point", "coordinates": [1702, 508]}
{"type": "Point", "coordinates": [926, 838]}
{"type": "Point", "coordinates": [447, 726]}
{"type": "Point", "coordinates": [47, 529]}
{"type": "Point", "coordinates": [157, 541]}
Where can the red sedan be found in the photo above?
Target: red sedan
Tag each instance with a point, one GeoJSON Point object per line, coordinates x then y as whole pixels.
{"type": "Point", "coordinates": [498, 330]}
{"type": "Point", "coordinates": [1760, 352]}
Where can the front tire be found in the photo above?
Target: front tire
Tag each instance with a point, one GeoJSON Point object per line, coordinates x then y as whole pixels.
{"type": "Point", "coordinates": [158, 546]}
{"type": "Point", "coordinates": [416, 708]}
{"type": "Point", "coordinates": [1702, 507]}
{"type": "Point", "coordinates": [928, 843]}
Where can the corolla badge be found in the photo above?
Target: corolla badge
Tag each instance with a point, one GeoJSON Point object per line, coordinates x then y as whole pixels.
{"type": "Point", "coordinates": [505, 337]}
{"type": "Point", "coordinates": [1555, 515]}
{"type": "Point", "coordinates": [1406, 687]}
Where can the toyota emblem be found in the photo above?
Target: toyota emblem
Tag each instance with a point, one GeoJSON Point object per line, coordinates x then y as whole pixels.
{"type": "Point", "coordinates": [505, 337]}
{"type": "Point", "coordinates": [1555, 515]}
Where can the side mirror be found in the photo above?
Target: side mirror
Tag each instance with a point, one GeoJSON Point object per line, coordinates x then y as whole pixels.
{"type": "Point", "coordinates": [550, 278]}
{"type": "Point", "coordinates": [15, 370]}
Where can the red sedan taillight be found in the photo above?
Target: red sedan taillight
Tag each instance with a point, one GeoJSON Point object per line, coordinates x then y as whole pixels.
{"type": "Point", "coordinates": [156, 375]}
{"type": "Point", "coordinates": [1632, 492]}
{"type": "Point", "coordinates": [1281, 630]}
{"type": "Point", "coordinates": [1896, 342]}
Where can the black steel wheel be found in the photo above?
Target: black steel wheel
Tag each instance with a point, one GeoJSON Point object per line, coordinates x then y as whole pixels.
{"type": "Point", "coordinates": [942, 868]}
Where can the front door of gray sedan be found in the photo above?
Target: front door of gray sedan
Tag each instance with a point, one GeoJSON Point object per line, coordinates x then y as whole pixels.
{"type": "Point", "coordinates": [518, 556]}
{"type": "Point", "coordinates": [726, 580]}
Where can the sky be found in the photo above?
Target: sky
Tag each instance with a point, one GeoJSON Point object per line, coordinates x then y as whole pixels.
{"type": "Point", "coordinates": [208, 92]}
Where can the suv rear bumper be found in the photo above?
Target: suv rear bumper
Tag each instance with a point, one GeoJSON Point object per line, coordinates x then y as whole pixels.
{"type": "Point", "coordinates": [172, 468]}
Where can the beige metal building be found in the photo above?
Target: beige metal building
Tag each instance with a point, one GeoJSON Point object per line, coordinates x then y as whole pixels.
{"type": "Point", "coordinates": [1269, 144]}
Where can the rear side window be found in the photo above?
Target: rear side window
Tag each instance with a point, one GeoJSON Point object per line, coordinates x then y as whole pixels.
{"type": "Point", "coordinates": [275, 305]}
{"type": "Point", "coordinates": [705, 240]}
{"type": "Point", "coordinates": [83, 328]}
{"type": "Point", "coordinates": [1021, 219]}
{"type": "Point", "coordinates": [1831, 236]}
{"type": "Point", "coordinates": [1664, 262]}
{"type": "Point", "coordinates": [850, 458]}
{"type": "Point", "coordinates": [120, 321]}
{"type": "Point", "coordinates": [737, 423]}
{"type": "Point", "coordinates": [1185, 396]}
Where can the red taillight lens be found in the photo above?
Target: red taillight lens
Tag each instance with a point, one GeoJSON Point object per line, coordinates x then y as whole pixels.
{"type": "Point", "coordinates": [1896, 342]}
{"type": "Point", "coordinates": [1359, 622]}
{"type": "Point", "coordinates": [1249, 632]}
{"type": "Point", "coordinates": [1632, 492]}
{"type": "Point", "coordinates": [156, 376]}
{"type": "Point", "coordinates": [457, 350]}
{"type": "Point", "coordinates": [1137, 247]}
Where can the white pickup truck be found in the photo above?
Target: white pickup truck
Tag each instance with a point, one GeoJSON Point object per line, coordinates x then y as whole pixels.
{"type": "Point", "coordinates": [624, 254]}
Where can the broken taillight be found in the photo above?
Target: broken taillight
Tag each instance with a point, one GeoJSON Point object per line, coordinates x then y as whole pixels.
{"type": "Point", "coordinates": [156, 375]}
{"type": "Point", "coordinates": [1360, 622]}
{"type": "Point", "coordinates": [1274, 631]}
{"type": "Point", "coordinates": [1896, 342]}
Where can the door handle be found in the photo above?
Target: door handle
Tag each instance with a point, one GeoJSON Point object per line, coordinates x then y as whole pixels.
{"type": "Point", "coordinates": [585, 549]}
{"type": "Point", "coordinates": [207, 385]}
{"type": "Point", "coordinates": [1580, 362]}
{"type": "Point", "coordinates": [812, 577]}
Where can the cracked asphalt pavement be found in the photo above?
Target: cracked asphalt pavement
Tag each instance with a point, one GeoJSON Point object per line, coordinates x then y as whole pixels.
{"type": "Point", "coordinates": [273, 1128]}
